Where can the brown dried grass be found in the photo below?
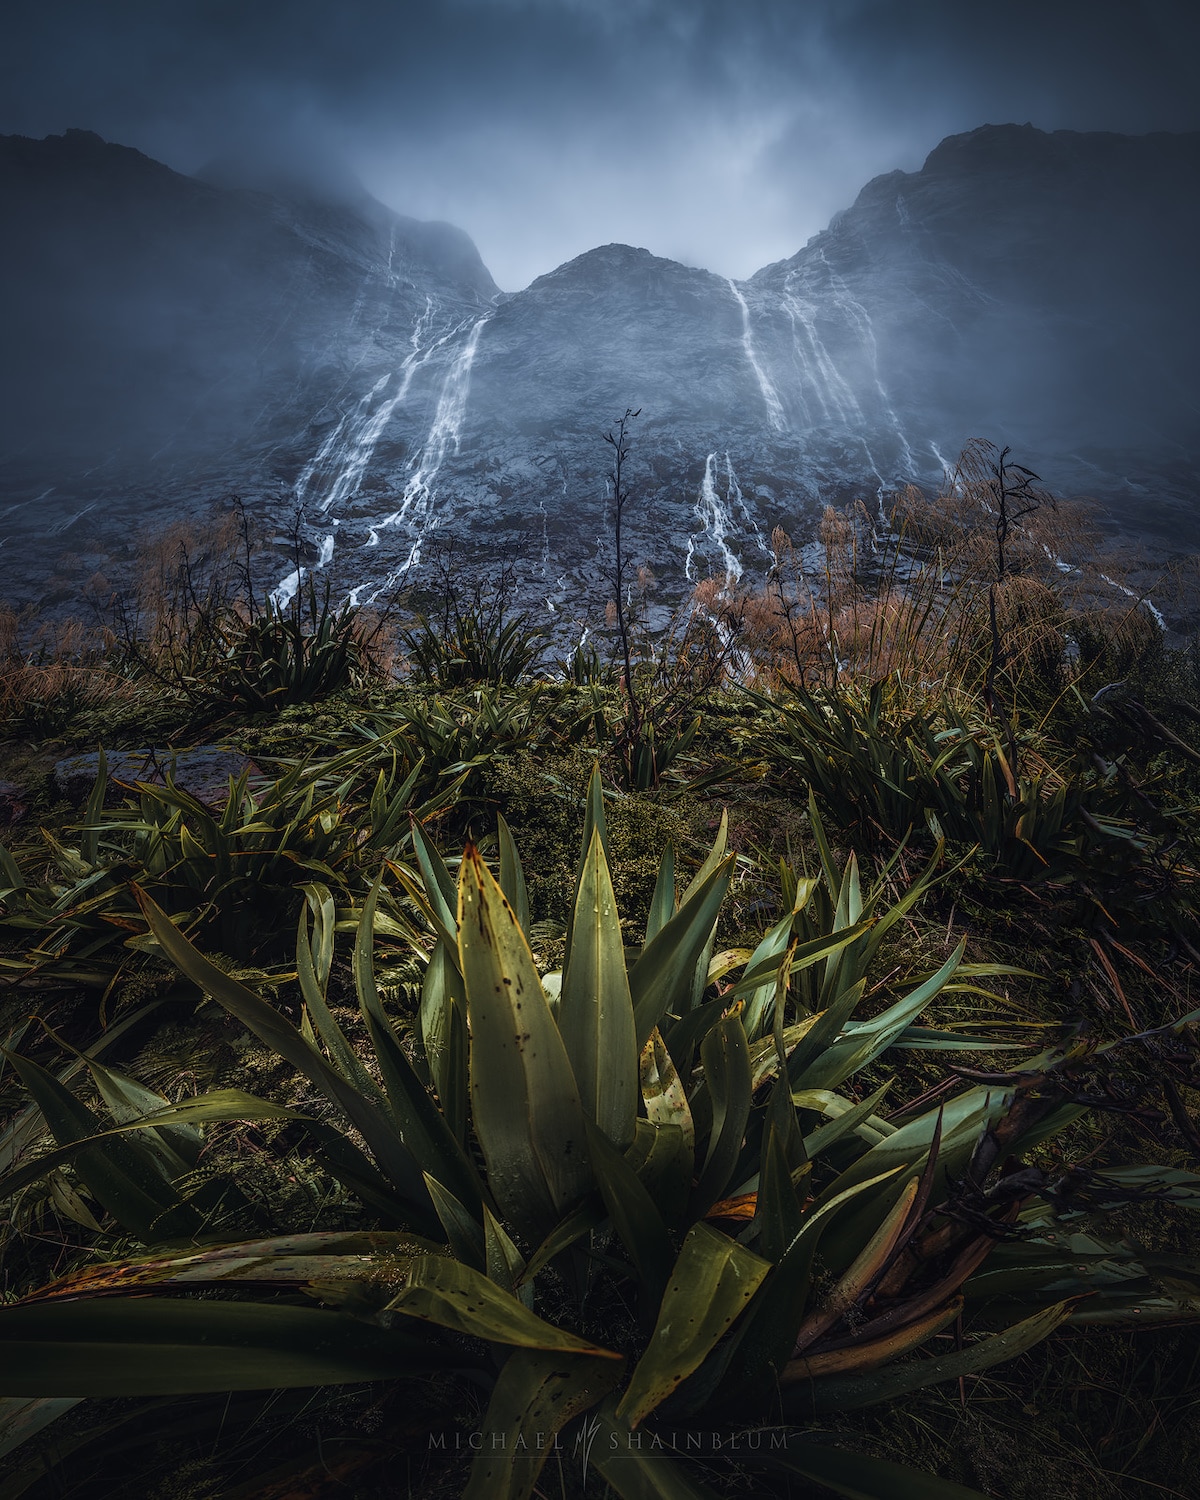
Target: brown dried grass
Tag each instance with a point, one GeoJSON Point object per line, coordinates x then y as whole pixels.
{"type": "Point", "coordinates": [916, 600]}
{"type": "Point", "coordinates": [193, 593]}
{"type": "Point", "coordinates": [50, 669]}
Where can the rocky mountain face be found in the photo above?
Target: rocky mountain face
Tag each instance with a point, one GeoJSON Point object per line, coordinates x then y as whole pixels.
{"type": "Point", "coordinates": [169, 341]}
{"type": "Point", "coordinates": [1038, 288]}
{"type": "Point", "coordinates": [177, 341]}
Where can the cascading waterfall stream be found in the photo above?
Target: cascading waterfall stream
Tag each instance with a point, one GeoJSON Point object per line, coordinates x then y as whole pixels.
{"type": "Point", "coordinates": [341, 462]}
{"type": "Point", "coordinates": [351, 477]}
{"type": "Point", "coordinates": [837, 401]}
{"type": "Point", "coordinates": [861, 319]}
{"type": "Point", "coordinates": [329, 453]}
{"type": "Point", "coordinates": [824, 391]}
{"type": "Point", "coordinates": [285, 591]}
{"type": "Point", "coordinates": [733, 491]}
{"type": "Point", "coordinates": [717, 523]}
{"type": "Point", "coordinates": [770, 397]}
{"type": "Point", "coordinates": [415, 511]}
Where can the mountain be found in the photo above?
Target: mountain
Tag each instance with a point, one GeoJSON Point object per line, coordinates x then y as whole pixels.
{"type": "Point", "coordinates": [289, 340]}
{"type": "Point", "coordinates": [168, 340]}
{"type": "Point", "coordinates": [1045, 283]}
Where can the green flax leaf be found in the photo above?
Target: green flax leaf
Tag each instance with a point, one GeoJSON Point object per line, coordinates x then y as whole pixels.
{"type": "Point", "coordinates": [713, 1281]}
{"type": "Point", "coordinates": [727, 1073]}
{"type": "Point", "coordinates": [525, 1104]}
{"type": "Point", "coordinates": [445, 1292]}
{"type": "Point", "coordinates": [662, 902]}
{"type": "Point", "coordinates": [635, 1217]}
{"type": "Point", "coordinates": [661, 981]}
{"type": "Point", "coordinates": [595, 1014]}
{"type": "Point", "coordinates": [122, 1174]}
{"type": "Point", "coordinates": [393, 1156]}
{"type": "Point", "coordinates": [148, 1346]}
{"type": "Point", "coordinates": [512, 875]}
{"type": "Point", "coordinates": [537, 1394]}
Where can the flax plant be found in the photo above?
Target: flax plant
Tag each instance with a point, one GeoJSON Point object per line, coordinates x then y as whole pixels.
{"type": "Point", "coordinates": [638, 1191]}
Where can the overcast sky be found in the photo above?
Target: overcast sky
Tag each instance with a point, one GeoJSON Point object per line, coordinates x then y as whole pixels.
{"type": "Point", "coordinates": [719, 132]}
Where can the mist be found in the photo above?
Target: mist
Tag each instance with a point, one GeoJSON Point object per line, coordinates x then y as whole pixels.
{"type": "Point", "coordinates": [720, 135]}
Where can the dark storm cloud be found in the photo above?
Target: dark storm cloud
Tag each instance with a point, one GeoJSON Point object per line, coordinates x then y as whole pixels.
{"type": "Point", "coordinates": [720, 133]}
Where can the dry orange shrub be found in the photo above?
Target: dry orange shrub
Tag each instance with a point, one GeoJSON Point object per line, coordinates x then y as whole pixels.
{"type": "Point", "coordinates": [193, 589]}
{"type": "Point", "coordinates": [189, 592]}
{"type": "Point", "coordinates": [52, 667]}
{"type": "Point", "coordinates": [862, 605]}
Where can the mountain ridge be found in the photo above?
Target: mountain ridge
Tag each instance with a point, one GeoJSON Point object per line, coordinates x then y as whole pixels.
{"type": "Point", "coordinates": [201, 340]}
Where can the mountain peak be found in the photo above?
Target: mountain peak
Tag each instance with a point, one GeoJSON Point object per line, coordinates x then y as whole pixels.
{"type": "Point", "coordinates": [320, 196]}
{"type": "Point", "coordinates": [619, 264]}
{"type": "Point", "coordinates": [169, 340]}
{"type": "Point", "coordinates": [80, 155]}
{"type": "Point", "coordinates": [601, 260]}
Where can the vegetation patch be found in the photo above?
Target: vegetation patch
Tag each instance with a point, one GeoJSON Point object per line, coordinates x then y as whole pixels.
{"type": "Point", "coordinates": [755, 1059]}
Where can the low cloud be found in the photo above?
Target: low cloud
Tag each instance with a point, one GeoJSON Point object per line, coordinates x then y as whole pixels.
{"type": "Point", "coordinates": [720, 134]}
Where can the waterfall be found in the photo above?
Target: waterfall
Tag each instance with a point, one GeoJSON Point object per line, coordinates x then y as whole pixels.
{"type": "Point", "coordinates": [770, 397]}
{"type": "Point", "coordinates": [861, 319]}
{"type": "Point", "coordinates": [339, 465]}
{"type": "Point", "coordinates": [285, 590]}
{"type": "Point", "coordinates": [342, 460]}
{"type": "Point", "coordinates": [837, 400]}
{"type": "Point", "coordinates": [716, 522]}
{"type": "Point", "coordinates": [415, 511]}
{"type": "Point", "coordinates": [329, 455]}
{"type": "Point", "coordinates": [733, 493]}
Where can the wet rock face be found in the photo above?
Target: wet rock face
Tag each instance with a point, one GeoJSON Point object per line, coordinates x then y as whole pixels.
{"type": "Point", "coordinates": [1030, 288]}
{"type": "Point", "coordinates": [204, 298]}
